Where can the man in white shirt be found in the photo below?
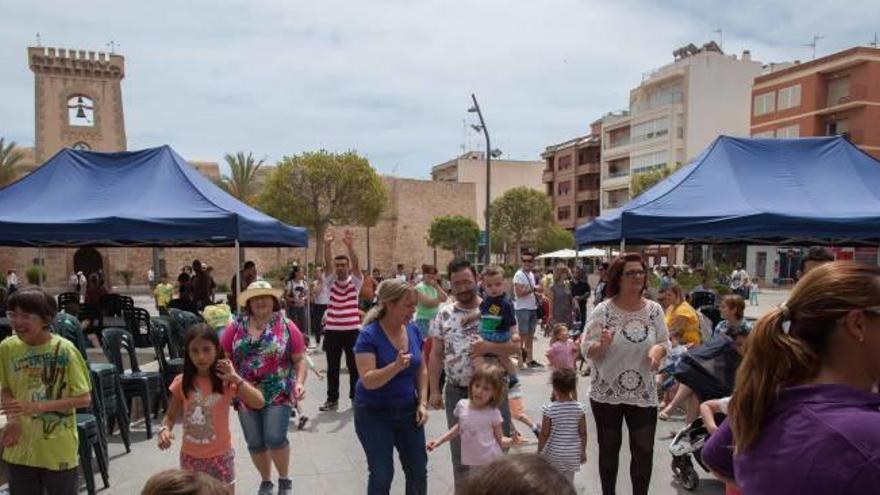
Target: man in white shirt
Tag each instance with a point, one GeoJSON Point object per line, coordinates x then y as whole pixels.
{"type": "Point", "coordinates": [739, 282]}
{"type": "Point", "coordinates": [525, 304]}
{"type": "Point", "coordinates": [11, 281]}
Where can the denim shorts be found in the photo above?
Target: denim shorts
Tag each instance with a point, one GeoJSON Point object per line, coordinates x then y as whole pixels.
{"type": "Point", "coordinates": [526, 321]}
{"type": "Point", "coordinates": [265, 428]}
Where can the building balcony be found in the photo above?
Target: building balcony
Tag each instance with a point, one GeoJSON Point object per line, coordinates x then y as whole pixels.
{"type": "Point", "coordinates": [589, 195]}
{"type": "Point", "coordinates": [857, 97]}
{"type": "Point", "coordinates": [588, 168]}
{"type": "Point", "coordinates": [547, 176]}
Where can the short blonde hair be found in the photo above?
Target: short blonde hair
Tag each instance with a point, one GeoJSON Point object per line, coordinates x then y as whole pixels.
{"type": "Point", "coordinates": [389, 291]}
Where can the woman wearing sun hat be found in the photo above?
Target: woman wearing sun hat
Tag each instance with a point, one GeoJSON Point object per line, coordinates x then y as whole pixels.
{"type": "Point", "coordinates": [266, 349]}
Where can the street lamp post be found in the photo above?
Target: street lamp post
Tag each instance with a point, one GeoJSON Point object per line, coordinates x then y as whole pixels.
{"type": "Point", "coordinates": [490, 153]}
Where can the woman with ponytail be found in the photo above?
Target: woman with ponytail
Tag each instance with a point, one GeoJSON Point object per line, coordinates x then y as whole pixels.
{"type": "Point", "coordinates": [803, 418]}
{"type": "Point", "coordinates": [390, 400]}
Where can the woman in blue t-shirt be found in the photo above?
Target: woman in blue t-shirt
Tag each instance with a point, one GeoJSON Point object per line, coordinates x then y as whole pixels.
{"type": "Point", "coordinates": [390, 400]}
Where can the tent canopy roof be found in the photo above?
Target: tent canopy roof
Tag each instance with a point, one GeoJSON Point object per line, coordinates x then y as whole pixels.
{"type": "Point", "coordinates": [150, 197]}
{"type": "Point", "coordinates": [761, 191]}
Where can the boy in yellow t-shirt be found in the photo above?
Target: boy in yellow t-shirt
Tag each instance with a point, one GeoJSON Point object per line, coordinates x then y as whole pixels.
{"type": "Point", "coordinates": [163, 293]}
{"type": "Point", "coordinates": [44, 380]}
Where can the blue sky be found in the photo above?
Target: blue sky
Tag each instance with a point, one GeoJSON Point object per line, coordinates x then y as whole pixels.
{"type": "Point", "coordinates": [392, 79]}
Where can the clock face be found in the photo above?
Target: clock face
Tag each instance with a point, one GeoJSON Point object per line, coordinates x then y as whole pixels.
{"type": "Point", "coordinates": [81, 146]}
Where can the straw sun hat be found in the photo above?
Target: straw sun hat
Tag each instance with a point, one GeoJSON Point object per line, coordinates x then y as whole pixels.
{"type": "Point", "coordinates": [256, 289]}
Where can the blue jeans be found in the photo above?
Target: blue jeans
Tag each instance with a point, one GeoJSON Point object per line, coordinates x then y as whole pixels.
{"type": "Point", "coordinates": [451, 395]}
{"type": "Point", "coordinates": [382, 428]}
{"type": "Point", "coordinates": [266, 428]}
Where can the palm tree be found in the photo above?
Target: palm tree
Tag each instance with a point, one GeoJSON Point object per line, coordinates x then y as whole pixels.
{"type": "Point", "coordinates": [9, 158]}
{"type": "Point", "coordinates": [241, 182]}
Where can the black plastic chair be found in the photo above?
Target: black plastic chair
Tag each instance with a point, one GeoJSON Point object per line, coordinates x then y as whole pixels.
{"type": "Point", "coordinates": [185, 319]}
{"type": "Point", "coordinates": [66, 298]}
{"type": "Point", "coordinates": [137, 322]}
{"type": "Point", "coordinates": [175, 334]}
{"type": "Point", "coordinates": [111, 305]}
{"type": "Point", "coordinates": [92, 438]}
{"type": "Point", "coordinates": [149, 386]}
{"type": "Point", "coordinates": [169, 366]}
{"type": "Point", "coordinates": [126, 302]}
{"type": "Point", "coordinates": [104, 380]}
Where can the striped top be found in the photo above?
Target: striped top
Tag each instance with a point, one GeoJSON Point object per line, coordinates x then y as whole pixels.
{"type": "Point", "coordinates": [342, 311]}
{"type": "Point", "coordinates": [563, 448]}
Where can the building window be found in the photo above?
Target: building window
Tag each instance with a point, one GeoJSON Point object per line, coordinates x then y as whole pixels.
{"type": "Point", "coordinates": [80, 111]}
{"type": "Point", "coordinates": [765, 134]}
{"type": "Point", "coordinates": [789, 97]}
{"type": "Point", "coordinates": [564, 162]}
{"type": "Point", "coordinates": [550, 163]}
{"type": "Point", "coordinates": [792, 131]}
{"type": "Point", "coordinates": [81, 146]}
{"type": "Point", "coordinates": [618, 168]}
{"type": "Point", "coordinates": [650, 129]}
{"type": "Point", "coordinates": [564, 188]}
{"type": "Point", "coordinates": [765, 103]}
{"type": "Point", "coordinates": [587, 210]}
{"type": "Point", "coordinates": [650, 161]}
{"type": "Point", "coordinates": [836, 127]}
{"type": "Point", "coordinates": [587, 182]}
{"type": "Point", "coordinates": [838, 91]}
{"type": "Point", "coordinates": [563, 213]}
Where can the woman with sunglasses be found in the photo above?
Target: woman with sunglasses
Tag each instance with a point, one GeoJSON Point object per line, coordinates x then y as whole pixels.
{"type": "Point", "coordinates": [804, 417]}
{"type": "Point", "coordinates": [626, 339]}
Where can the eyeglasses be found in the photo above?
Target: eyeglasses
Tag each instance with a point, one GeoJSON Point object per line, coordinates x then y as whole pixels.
{"type": "Point", "coordinates": [634, 273]}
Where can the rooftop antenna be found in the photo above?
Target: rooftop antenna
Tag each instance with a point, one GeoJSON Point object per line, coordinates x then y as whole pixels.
{"type": "Point", "coordinates": [463, 135]}
{"type": "Point", "coordinates": [720, 38]}
{"type": "Point", "coordinates": [874, 42]}
{"type": "Point", "coordinates": [40, 42]}
{"type": "Point", "coordinates": [812, 45]}
{"type": "Point", "coordinates": [113, 46]}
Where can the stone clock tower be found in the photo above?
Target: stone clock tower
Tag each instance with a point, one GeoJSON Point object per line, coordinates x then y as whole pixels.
{"type": "Point", "coordinates": [78, 101]}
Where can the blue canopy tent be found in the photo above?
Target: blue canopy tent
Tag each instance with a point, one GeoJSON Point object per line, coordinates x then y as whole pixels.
{"type": "Point", "coordinates": [150, 197]}
{"type": "Point", "coordinates": [760, 191]}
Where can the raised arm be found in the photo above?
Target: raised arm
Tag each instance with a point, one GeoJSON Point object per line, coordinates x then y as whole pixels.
{"type": "Point", "coordinates": [348, 240]}
{"type": "Point", "coordinates": [329, 237]}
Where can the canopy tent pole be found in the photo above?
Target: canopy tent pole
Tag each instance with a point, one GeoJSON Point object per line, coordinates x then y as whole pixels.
{"type": "Point", "coordinates": [622, 245]}
{"type": "Point", "coordinates": [309, 296]}
{"type": "Point", "coordinates": [237, 273]}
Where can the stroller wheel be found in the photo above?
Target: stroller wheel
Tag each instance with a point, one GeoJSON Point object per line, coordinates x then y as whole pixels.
{"type": "Point", "coordinates": [690, 480]}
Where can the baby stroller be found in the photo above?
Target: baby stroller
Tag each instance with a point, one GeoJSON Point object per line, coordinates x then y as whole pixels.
{"type": "Point", "coordinates": [686, 444]}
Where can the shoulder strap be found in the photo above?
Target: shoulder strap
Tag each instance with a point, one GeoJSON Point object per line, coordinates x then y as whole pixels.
{"type": "Point", "coordinates": [531, 286]}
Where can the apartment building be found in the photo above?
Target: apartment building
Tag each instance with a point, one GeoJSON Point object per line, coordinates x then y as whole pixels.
{"type": "Point", "coordinates": [674, 113]}
{"type": "Point", "coordinates": [835, 94]}
{"type": "Point", "coordinates": [571, 177]}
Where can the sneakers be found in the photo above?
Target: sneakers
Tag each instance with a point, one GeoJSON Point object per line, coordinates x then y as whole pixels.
{"type": "Point", "coordinates": [330, 405]}
{"type": "Point", "coordinates": [285, 486]}
{"type": "Point", "coordinates": [266, 488]}
{"type": "Point", "coordinates": [302, 422]}
{"type": "Point", "coordinates": [535, 364]}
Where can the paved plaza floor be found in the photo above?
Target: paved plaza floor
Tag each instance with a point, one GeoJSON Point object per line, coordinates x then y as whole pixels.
{"type": "Point", "coordinates": [327, 457]}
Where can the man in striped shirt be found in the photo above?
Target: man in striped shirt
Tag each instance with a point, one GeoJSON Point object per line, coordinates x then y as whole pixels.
{"type": "Point", "coordinates": [342, 320]}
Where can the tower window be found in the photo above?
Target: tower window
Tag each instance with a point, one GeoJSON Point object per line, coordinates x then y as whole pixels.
{"type": "Point", "coordinates": [81, 146]}
{"type": "Point", "coordinates": [81, 111]}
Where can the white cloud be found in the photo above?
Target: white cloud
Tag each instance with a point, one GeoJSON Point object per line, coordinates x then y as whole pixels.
{"type": "Point", "coordinates": [391, 79]}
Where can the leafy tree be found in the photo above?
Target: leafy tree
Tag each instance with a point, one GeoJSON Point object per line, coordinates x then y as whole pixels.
{"type": "Point", "coordinates": [642, 181]}
{"type": "Point", "coordinates": [455, 233]}
{"type": "Point", "coordinates": [553, 238]}
{"type": "Point", "coordinates": [9, 158]}
{"type": "Point", "coordinates": [520, 213]}
{"type": "Point", "coordinates": [241, 182]}
{"type": "Point", "coordinates": [319, 189]}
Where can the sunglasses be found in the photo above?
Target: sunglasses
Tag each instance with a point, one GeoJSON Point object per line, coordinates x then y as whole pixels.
{"type": "Point", "coordinates": [634, 273]}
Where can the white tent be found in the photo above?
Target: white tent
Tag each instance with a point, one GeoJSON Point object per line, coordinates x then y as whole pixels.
{"type": "Point", "coordinates": [595, 253]}
{"type": "Point", "coordinates": [561, 254]}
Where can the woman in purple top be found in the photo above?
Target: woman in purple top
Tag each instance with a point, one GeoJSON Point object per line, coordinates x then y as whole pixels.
{"type": "Point", "coordinates": [390, 399]}
{"type": "Point", "coordinates": [803, 418]}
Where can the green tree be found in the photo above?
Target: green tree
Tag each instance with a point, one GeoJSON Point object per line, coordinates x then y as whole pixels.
{"type": "Point", "coordinates": [553, 238]}
{"type": "Point", "coordinates": [455, 233]}
{"type": "Point", "coordinates": [319, 189]}
{"type": "Point", "coordinates": [242, 180]}
{"type": "Point", "coordinates": [9, 158]}
{"type": "Point", "coordinates": [520, 213]}
{"type": "Point", "coordinates": [642, 181]}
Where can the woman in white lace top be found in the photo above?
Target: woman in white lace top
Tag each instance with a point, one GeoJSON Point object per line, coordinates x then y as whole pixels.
{"type": "Point", "coordinates": [626, 340]}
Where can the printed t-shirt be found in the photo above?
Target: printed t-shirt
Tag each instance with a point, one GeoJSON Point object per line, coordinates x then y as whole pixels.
{"type": "Point", "coordinates": [424, 312]}
{"type": "Point", "coordinates": [400, 390]}
{"type": "Point", "coordinates": [52, 371]}
{"type": "Point", "coordinates": [164, 293]}
{"type": "Point", "coordinates": [205, 417]}
{"type": "Point", "coordinates": [265, 361]}
{"type": "Point", "coordinates": [501, 310]}
{"type": "Point", "coordinates": [476, 429]}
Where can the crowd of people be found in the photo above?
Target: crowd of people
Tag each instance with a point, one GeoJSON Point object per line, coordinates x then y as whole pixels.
{"type": "Point", "coordinates": [798, 387]}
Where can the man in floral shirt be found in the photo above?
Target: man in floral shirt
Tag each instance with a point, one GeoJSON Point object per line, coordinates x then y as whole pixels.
{"type": "Point", "coordinates": [455, 344]}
